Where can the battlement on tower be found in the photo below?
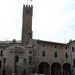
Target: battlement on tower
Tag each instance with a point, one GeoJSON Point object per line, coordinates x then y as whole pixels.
{"type": "Point", "coordinates": [28, 9]}
{"type": "Point", "coordinates": [28, 6]}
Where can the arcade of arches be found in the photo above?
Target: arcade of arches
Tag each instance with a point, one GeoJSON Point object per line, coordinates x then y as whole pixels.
{"type": "Point", "coordinates": [54, 69]}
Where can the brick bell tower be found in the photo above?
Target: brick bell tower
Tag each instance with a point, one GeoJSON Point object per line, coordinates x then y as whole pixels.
{"type": "Point", "coordinates": [27, 24]}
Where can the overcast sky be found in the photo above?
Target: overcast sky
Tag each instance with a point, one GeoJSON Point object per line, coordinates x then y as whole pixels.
{"type": "Point", "coordinates": [53, 20]}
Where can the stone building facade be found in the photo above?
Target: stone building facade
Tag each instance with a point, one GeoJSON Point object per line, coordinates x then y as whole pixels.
{"type": "Point", "coordinates": [30, 56]}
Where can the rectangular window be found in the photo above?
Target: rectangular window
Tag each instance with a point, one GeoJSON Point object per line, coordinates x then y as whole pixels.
{"type": "Point", "coordinates": [66, 55]}
{"type": "Point", "coordinates": [74, 63]}
{"type": "Point", "coordinates": [43, 53]}
{"type": "Point", "coordinates": [55, 55]}
{"type": "Point", "coordinates": [72, 49]}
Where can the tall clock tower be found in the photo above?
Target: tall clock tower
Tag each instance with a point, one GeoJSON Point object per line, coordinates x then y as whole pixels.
{"type": "Point", "coordinates": [27, 24]}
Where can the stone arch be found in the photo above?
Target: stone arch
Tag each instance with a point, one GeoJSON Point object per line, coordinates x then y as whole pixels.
{"type": "Point", "coordinates": [44, 68]}
{"type": "Point", "coordinates": [66, 69]}
{"type": "Point", "coordinates": [55, 69]}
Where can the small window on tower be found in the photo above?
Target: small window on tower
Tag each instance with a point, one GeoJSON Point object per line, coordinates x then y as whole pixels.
{"type": "Point", "coordinates": [27, 12]}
